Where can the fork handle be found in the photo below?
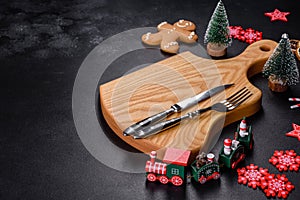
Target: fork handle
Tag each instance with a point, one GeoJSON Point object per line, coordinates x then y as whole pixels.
{"type": "Point", "coordinates": [159, 127]}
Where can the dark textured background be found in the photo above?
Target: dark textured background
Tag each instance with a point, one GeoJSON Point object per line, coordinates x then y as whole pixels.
{"type": "Point", "coordinates": [42, 45]}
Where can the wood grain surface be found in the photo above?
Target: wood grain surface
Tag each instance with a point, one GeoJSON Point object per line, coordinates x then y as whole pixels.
{"type": "Point", "coordinates": [156, 87]}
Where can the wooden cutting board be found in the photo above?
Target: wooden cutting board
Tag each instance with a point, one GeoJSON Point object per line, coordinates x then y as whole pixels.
{"type": "Point", "coordinates": [156, 87]}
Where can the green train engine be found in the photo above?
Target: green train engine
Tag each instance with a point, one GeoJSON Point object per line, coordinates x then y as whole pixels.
{"type": "Point", "coordinates": [172, 169]}
{"type": "Point", "coordinates": [234, 151]}
{"type": "Point", "coordinates": [204, 168]}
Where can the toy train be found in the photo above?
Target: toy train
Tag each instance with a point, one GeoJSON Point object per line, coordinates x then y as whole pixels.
{"type": "Point", "coordinates": [234, 151]}
{"type": "Point", "coordinates": [205, 167]}
{"type": "Point", "coordinates": [171, 170]}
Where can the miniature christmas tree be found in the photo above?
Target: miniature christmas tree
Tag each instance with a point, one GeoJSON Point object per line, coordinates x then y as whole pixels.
{"type": "Point", "coordinates": [281, 67]}
{"type": "Point", "coordinates": [217, 36]}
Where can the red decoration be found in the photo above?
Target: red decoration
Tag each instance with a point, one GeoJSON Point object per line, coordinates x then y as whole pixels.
{"type": "Point", "coordinates": [235, 31]}
{"type": "Point", "coordinates": [156, 167]}
{"type": "Point", "coordinates": [251, 175]}
{"type": "Point", "coordinates": [249, 35]}
{"type": "Point", "coordinates": [295, 106]}
{"type": "Point", "coordinates": [294, 133]}
{"type": "Point", "coordinates": [277, 15]}
{"type": "Point", "coordinates": [276, 186]}
{"type": "Point", "coordinates": [271, 184]}
{"type": "Point", "coordinates": [176, 156]}
{"type": "Point", "coordinates": [294, 99]}
{"type": "Point", "coordinates": [285, 160]}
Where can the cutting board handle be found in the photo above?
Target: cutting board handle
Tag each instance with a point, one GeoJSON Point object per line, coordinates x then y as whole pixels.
{"type": "Point", "coordinates": [257, 54]}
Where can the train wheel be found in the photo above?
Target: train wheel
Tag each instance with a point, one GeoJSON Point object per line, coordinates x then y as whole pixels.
{"type": "Point", "coordinates": [151, 177]}
{"type": "Point", "coordinates": [176, 180]}
{"type": "Point", "coordinates": [163, 179]}
{"type": "Point", "coordinates": [216, 175]}
{"type": "Point", "coordinates": [202, 179]}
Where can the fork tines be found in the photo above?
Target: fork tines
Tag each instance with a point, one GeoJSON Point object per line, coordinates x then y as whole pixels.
{"type": "Point", "coordinates": [237, 98]}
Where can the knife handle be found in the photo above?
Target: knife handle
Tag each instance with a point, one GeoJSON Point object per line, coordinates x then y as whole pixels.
{"type": "Point", "coordinates": [148, 121]}
{"type": "Point", "coordinates": [161, 126]}
{"type": "Point", "coordinates": [156, 128]}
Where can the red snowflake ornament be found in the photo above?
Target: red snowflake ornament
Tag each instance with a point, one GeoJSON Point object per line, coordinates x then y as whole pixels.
{"type": "Point", "coordinates": [252, 35]}
{"type": "Point", "coordinates": [285, 160]}
{"type": "Point", "coordinates": [251, 175]}
{"type": "Point", "coordinates": [249, 35]}
{"type": "Point", "coordinates": [236, 31]}
{"type": "Point", "coordinates": [276, 185]}
{"type": "Point", "coordinates": [277, 15]}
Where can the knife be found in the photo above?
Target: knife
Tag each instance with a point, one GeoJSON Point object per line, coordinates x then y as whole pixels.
{"type": "Point", "coordinates": [178, 107]}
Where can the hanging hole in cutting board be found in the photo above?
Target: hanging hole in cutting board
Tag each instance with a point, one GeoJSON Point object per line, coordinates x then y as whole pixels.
{"type": "Point", "coordinates": [265, 48]}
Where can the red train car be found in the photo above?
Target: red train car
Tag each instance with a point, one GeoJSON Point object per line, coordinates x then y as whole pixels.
{"type": "Point", "coordinates": [172, 169]}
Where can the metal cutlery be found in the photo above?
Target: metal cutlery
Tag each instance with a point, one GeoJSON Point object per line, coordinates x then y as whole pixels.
{"type": "Point", "coordinates": [178, 107]}
{"type": "Point", "coordinates": [225, 105]}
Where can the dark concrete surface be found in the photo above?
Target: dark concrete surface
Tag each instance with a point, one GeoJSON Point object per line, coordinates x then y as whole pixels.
{"type": "Point", "coordinates": [42, 46]}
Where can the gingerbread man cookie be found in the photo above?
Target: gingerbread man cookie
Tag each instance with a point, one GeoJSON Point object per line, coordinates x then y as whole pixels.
{"type": "Point", "coordinates": [295, 45]}
{"type": "Point", "coordinates": [168, 35]}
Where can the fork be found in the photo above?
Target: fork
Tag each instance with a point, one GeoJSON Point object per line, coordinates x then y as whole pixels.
{"type": "Point", "coordinates": [223, 106]}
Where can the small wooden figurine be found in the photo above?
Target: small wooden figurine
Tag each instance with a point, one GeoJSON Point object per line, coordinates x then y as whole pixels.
{"type": "Point", "coordinates": [205, 168]}
{"type": "Point", "coordinates": [234, 151]}
{"type": "Point", "coordinates": [172, 169]}
{"type": "Point", "coordinates": [245, 135]}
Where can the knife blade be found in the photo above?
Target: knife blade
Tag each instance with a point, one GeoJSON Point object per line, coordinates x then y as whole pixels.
{"type": "Point", "coordinates": [178, 107]}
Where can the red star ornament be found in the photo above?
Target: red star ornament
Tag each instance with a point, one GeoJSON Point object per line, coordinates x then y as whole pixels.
{"type": "Point", "coordinates": [277, 15]}
{"type": "Point", "coordinates": [294, 133]}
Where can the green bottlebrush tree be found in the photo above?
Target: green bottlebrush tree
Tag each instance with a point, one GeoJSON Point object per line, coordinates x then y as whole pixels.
{"type": "Point", "coordinates": [282, 65]}
{"type": "Point", "coordinates": [218, 27]}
